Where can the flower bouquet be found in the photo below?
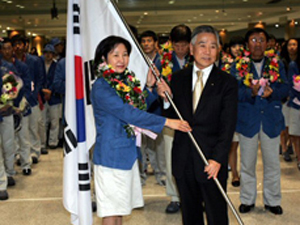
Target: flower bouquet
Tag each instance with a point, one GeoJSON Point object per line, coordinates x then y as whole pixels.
{"type": "Point", "coordinates": [296, 82]}
{"type": "Point", "coordinates": [11, 85]}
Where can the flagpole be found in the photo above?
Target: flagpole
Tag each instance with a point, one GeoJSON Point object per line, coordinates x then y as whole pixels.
{"type": "Point", "coordinates": [234, 211]}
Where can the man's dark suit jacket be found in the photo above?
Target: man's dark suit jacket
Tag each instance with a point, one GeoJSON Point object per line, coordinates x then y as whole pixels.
{"type": "Point", "coordinates": [213, 123]}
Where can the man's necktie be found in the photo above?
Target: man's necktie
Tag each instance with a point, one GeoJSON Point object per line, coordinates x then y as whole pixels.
{"type": "Point", "coordinates": [198, 89]}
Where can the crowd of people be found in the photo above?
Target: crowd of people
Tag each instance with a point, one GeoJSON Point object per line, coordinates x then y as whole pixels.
{"type": "Point", "coordinates": [240, 96]}
{"type": "Point", "coordinates": [30, 105]}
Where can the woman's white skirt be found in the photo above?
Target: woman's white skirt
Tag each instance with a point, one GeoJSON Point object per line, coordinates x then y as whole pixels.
{"type": "Point", "coordinates": [117, 191]}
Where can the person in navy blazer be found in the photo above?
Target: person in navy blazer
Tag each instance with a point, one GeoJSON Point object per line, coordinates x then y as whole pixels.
{"type": "Point", "coordinates": [180, 37]}
{"type": "Point", "coordinates": [260, 118]}
{"type": "Point", "coordinates": [294, 104]}
{"type": "Point", "coordinates": [213, 123]}
{"type": "Point", "coordinates": [117, 181]}
{"type": "Point", "coordinates": [51, 109]}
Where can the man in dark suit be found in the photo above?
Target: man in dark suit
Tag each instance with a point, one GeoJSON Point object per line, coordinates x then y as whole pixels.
{"type": "Point", "coordinates": [208, 102]}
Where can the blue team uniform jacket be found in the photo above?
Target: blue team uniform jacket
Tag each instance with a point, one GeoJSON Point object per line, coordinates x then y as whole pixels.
{"type": "Point", "coordinates": [256, 111]}
{"type": "Point", "coordinates": [293, 70]}
{"type": "Point", "coordinates": [113, 148]}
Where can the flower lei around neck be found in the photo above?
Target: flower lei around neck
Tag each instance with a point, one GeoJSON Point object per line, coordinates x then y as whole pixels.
{"type": "Point", "coordinates": [226, 61]}
{"type": "Point", "coordinates": [127, 86]}
{"type": "Point", "coordinates": [270, 70]}
{"type": "Point", "coordinates": [166, 61]}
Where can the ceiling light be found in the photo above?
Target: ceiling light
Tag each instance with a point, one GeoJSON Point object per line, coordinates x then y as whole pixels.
{"type": "Point", "coordinates": [260, 13]}
{"type": "Point", "coordinates": [245, 0]}
{"type": "Point", "coordinates": [7, 28]}
{"type": "Point", "coordinates": [33, 35]}
{"type": "Point", "coordinates": [3, 31]}
{"type": "Point", "coordinates": [29, 33]}
{"type": "Point", "coordinates": [195, 17]}
{"type": "Point", "coordinates": [288, 9]}
{"type": "Point", "coordinates": [9, 2]}
{"type": "Point", "coordinates": [276, 25]}
{"type": "Point", "coordinates": [201, 14]}
{"type": "Point", "coordinates": [145, 13]}
{"type": "Point", "coordinates": [249, 16]}
{"type": "Point", "coordinates": [171, 2]}
{"type": "Point", "coordinates": [296, 23]}
{"type": "Point", "coordinates": [217, 11]}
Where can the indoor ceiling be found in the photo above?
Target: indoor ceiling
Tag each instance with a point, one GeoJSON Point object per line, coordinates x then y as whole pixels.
{"type": "Point", "coordinates": [34, 16]}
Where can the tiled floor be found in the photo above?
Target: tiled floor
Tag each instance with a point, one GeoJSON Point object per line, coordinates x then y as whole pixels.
{"type": "Point", "coordinates": [37, 199]}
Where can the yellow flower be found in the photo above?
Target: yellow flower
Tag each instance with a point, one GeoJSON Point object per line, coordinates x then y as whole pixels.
{"type": "Point", "coordinates": [247, 79]}
{"type": "Point", "coordinates": [123, 87]}
{"type": "Point", "coordinates": [166, 71]}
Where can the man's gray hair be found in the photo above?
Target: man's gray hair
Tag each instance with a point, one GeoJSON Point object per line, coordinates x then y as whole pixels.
{"type": "Point", "coordinates": [204, 29]}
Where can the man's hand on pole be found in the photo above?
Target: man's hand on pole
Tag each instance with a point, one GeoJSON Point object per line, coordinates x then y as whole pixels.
{"type": "Point", "coordinates": [212, 169]}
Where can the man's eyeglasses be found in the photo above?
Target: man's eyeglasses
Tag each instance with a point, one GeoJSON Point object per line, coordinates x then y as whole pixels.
{"type": "Point", "coordinates": [260, 40]}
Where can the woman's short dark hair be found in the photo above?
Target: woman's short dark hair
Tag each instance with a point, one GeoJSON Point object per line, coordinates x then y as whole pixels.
{"type": "Point", "coordinates": [106, 46]}
{"type": "Point", "coordinates": [254, 31]}
{"type": "Point", "coordinates": [236, 40]}
{"type": "Point", "coordinates": [181, 33]}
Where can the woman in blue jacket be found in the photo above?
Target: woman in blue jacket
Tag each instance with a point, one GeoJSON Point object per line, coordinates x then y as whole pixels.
{"type": "Point", "coordinates": [117, 102]}
{"type": "Point", "coordinates": [294, 104]}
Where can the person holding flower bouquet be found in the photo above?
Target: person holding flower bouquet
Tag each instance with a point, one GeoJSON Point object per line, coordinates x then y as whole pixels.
{"type": "Point", "coordinates": [294, 104]}
{"type": "Point", "coordinates": [3, 178]}
{"type": "Point", "coordinates": [262, 86]}
{"type": "Point", "coordinates": [20, 103]}
{"type": "Point", "coordinates": [119, 104]}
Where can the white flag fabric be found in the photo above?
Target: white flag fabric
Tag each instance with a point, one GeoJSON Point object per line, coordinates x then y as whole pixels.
{"type": "Point", "coordinates": [89, 22]}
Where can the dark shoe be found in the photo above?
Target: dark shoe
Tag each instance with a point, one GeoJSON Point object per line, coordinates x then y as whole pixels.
{"type": "Point", "coordinates": [52, 146]}
{"type": "Point", "coordinates": [44, 151]}
{"type": "Point", "coordinates": [245, 208]}
{"type": "Point", "coordinates": [162, 183]}
{"type": "Point", "coordinates": [27, 172]}
{"type": "Point", "coordinates": [94, 206]}
{"type": "Point", "coordinates": [290, 150]}
{"type": "Point", "coordinates": [3, 195]}
{"type": "Point", "coordinates": [277, 210]}
{"type": "Point", "coordinates": [287, 157]}
{"type": "Point", "coordinates": [18, 162]}
{"type": "Point", "coordinates": [10, 181]}
{"type": "Point", "coordinates": [173, 207]}
{"type": "Point", "coordinates": [34, 160]}
{"type": "Point", "coordinates": [235, 183]}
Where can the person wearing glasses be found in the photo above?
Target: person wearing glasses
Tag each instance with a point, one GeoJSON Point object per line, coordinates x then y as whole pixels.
{"type": "Point", "coordinates": [262, 85]}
